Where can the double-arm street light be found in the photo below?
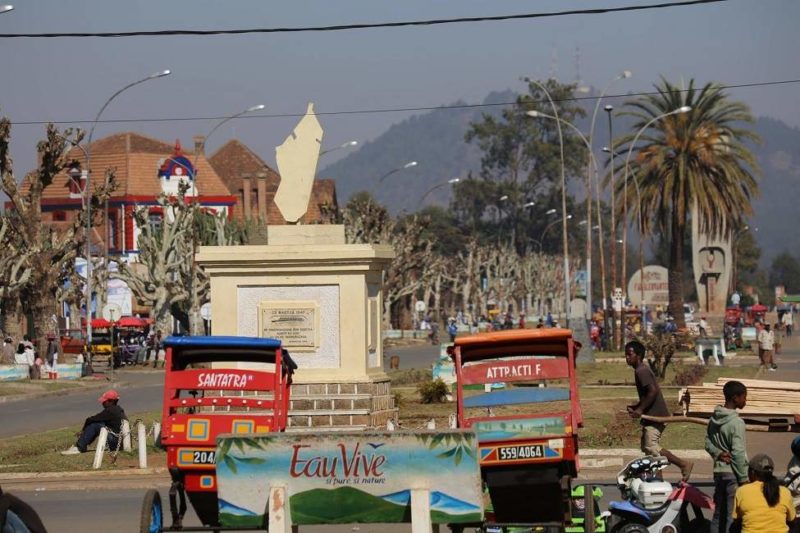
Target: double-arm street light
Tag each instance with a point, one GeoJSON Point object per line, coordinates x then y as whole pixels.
{"type": "Point", "coordinates": [680, 110]}
{"type": "Point", "coordinates": [537, 114]}
{"type": "Point", "coordinates": [451, 181]}
{"type": "Point", "coordinates": [88, 192]}
{"type": "Point", "coordinates": [563, 197]}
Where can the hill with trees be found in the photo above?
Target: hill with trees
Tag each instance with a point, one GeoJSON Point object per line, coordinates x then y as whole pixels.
{"type": "Point", "coordinates": [436, 140]}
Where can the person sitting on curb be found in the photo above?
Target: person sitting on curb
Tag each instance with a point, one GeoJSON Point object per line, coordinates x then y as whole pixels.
{"type": "Point", "coordinates": [110, 417]}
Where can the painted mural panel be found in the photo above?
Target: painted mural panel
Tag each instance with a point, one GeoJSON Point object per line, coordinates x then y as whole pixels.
{"type": "Point", "coordinates": [341, 478]}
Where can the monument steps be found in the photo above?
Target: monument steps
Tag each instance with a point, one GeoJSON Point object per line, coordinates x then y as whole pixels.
{"type": "Point", "coordinates": [341, 405]}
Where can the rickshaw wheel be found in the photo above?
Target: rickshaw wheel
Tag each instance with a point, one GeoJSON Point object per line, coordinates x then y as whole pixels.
{"type": "Point", "coordinates": [152, 518]}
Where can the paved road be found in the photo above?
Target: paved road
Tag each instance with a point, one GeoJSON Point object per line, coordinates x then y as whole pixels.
{"type": "Point", "coordinates": [79, 511]}
{"type": "Point", "coordinates": [140, 391]}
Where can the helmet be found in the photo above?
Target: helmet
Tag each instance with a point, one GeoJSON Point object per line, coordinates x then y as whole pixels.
{"type": "Point", "coordinates": [796, 447]}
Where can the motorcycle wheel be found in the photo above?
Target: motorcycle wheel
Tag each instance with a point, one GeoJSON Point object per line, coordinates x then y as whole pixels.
{"type": "Point", "coordinates": [629, 528]}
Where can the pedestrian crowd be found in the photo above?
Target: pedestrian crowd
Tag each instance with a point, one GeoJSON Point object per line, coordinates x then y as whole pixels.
{"type": "Point", "coordinates": [25, 353]}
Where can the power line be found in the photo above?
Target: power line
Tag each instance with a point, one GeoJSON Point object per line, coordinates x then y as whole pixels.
{"type": "Point", "coordinates": [387, 110]}
{"type": "Point", "coordinates": [343, 27]}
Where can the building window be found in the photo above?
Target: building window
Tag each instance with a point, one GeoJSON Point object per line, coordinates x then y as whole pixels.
{"type": "Point", "coordinates": [59, 216]}
{"type": "Point", "coordinates": [154, 220]}
{"type": "Point", "coordinates": [112, 231]}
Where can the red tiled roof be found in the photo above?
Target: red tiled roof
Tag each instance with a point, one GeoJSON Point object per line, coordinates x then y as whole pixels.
{"type": "Point", "coordinates": [234, 160]}
{"type": "Point", "coordinates": [135, 159]}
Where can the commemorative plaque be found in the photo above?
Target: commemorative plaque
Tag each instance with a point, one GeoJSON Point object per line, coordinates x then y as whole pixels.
{"type": "Point", "coordinates": [296, 324]}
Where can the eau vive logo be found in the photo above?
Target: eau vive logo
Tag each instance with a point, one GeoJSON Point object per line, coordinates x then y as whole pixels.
{"type": "Point", "coordinates": [346, 461]}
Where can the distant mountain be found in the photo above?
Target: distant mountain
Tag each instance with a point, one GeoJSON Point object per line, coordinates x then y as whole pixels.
{"type": "Point", "coordinates": [436, 141]}
{"type": "Point", "coordinates": [779, 157]}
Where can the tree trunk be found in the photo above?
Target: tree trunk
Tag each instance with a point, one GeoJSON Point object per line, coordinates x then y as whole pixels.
{"type": "Point", "coordinates": [675, 275]}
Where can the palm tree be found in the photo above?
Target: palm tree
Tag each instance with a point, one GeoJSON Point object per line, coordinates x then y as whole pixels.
{"type": "Point", "coordinates": [696, 158]}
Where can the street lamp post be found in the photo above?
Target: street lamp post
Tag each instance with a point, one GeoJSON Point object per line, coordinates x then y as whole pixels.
{"type": "Point", "coordinates": [202, 147]}
{"type": "Point", "coordinates": [343, 145]}
{"type": "Point", "coordinates": [680, 110]}
{"type": "Point", "coordinates": [540, 242]}
{"type": "Point", "coordinates": [410, 164]}
{"type": "Point", "coordinates": [563, 197]}
{"type": "Point", "coordinates": [593, 162]}
{"type": "Point", "coordinates": [625, 74]}
{"type": "Point", "coordinates": [451, 181]}
{"type": "Point", "coordinates": [6, 8]}
{"type": "Point", "coordinates": [88, 191]}
{"type": "Point", "coordinates": [734, 256]}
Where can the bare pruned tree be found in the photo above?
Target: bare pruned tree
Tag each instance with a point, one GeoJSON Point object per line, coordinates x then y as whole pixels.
{"type": "Point", "coordinates": [157, 277]}
{"type": "Point", "coordinates": [48, 254]}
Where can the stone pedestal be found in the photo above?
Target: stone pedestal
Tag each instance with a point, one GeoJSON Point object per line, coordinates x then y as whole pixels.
{"type": "Point", "coordinates": [323, 298]}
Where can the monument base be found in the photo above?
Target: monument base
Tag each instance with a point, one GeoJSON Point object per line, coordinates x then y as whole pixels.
{"type": "Point", "coordinates": [341, 405]}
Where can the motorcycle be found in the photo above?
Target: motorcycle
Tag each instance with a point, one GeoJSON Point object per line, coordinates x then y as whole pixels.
{"type": "Point", "coordinates": [651, 505]}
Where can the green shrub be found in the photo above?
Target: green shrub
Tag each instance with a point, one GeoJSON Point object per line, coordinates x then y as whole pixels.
{"type": "Point", "coordinates": [686, 375]}
{"type": "Point", "coordinates": [435, 391]}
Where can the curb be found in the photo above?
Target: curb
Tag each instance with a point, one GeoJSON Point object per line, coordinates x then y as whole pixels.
{"type": "Point", "coordinates": [89, 480]}
{"type": "Point", "coordinates": [633, 452]}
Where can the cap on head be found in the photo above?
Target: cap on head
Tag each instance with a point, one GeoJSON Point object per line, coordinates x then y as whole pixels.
{"type": "Point", "coordinates": [109, 395]}
{"type": "Point", "coordinates": [762, 463]}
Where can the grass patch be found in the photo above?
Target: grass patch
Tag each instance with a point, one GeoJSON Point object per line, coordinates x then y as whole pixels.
{"type": "Point", "coordinates": [39, 452]}
{"type": "Point", "coordinates": [622, 374]}
{"type": "Point", "coordinates": [411, 376]}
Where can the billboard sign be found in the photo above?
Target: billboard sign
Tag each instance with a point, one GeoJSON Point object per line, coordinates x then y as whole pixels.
{"type": "Point", "coordinates": [656, 286]}
{"type": "Point", "coordinates": [345, 478]}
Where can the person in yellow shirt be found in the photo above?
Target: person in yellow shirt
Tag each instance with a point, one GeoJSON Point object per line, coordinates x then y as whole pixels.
{"type": "Point", "coordinates": [763, 505]}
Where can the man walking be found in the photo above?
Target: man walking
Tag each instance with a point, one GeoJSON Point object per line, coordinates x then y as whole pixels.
{"type": "Point", "coordinates": [766, 345]}
{"type": "Point", "coordinates": [651, 403]}
{"type": "Point", "coordinates": [725, 443]}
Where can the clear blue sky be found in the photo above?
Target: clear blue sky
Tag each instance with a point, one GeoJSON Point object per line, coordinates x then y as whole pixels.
{"type": "Point", "coordinates": [738, 41]}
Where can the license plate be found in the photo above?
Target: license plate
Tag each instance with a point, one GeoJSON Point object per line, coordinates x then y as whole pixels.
{"type": "Point", "coordinates": [203, 457]}
{"type": "Point", "coordinates": [514, 453]}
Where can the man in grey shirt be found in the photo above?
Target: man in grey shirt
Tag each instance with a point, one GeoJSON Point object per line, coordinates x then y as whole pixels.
{"type": "Point", "coordinates": [651, 403]}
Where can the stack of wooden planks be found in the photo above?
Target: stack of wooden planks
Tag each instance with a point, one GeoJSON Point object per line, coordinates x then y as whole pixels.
{"type": "Point", "coordinates": [764, 398]}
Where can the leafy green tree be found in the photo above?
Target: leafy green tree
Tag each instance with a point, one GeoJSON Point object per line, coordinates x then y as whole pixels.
{"type": "Point", "coordinates": [520, 164]}
{"type": "Point", "coordinates": [448, 236]}
{"type": "Point", "coordinates": [785, 270]}
{"type": "Point", "coordinates": [698, 158]}
{"type": "Point", "coordinates": [747, 255]}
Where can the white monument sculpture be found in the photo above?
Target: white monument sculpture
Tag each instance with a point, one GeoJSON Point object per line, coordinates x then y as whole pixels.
{"type": "Point", "coordinates": [320, 296]}
{"type": "Point", "coordinates": [297, 161]}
